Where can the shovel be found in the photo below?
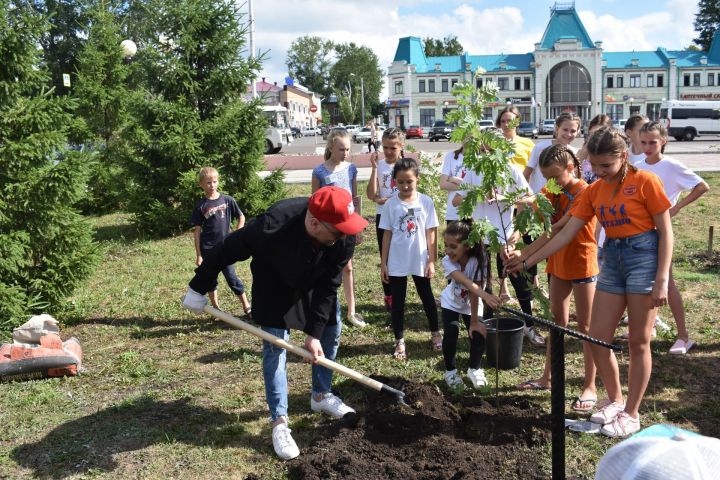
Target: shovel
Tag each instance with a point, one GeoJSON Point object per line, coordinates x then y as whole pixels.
{"type": "Point", "coordinates": [334, 366]}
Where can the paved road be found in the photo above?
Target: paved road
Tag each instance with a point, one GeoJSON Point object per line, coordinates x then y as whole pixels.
{"type": "Point", "coordinates": [305, 153]}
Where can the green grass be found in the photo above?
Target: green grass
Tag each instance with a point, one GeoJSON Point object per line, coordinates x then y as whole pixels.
{"type": "Point", "coordinates": [171, 395]}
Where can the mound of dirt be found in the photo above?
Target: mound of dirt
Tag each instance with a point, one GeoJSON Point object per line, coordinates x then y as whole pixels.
{"type": "Point", "coordinates": [429, 438]}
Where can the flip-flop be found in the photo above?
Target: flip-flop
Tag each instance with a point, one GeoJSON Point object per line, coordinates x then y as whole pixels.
{"type": "Point", "coordinates": [578, 401]}
{"type": "Point", "coordinates": [531, 385]}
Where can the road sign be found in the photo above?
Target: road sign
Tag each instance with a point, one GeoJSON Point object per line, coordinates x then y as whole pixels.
{"type": "Point", "coordinates": [313, 108]}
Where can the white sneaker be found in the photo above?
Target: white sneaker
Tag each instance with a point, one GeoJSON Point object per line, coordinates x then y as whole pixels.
{"type": "Point", "coordinates": [453, 379]}
{"type": "Point", "coordinates": [681, 347]}
{"type": "Point", "coordinates": [283, 443]}
{"type": "Point", "coordinates": [607, 413]}
{"type": "Point", "coordinates": [477, 377]}
{"type": "Point", "coordinates": [534, 336]}
{"type": "Point", "coordinates": [330, 405]}
{"type": "Point", "coordinates": [622, 426]}
{"type": "Point", "coordinates": [357, 320]}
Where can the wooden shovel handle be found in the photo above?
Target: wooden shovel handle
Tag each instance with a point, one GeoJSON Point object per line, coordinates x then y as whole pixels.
{"type": "Point", "coordinates": [348, 372]}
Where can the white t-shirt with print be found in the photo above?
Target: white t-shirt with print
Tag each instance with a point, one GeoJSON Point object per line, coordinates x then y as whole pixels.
{"type": "Point", "coordinates": [408, 222]}
{"type": "Point", "coordinates": [537, 181]}
{"type": "Point", "coordinates": [490, 211]}
{"type": "Point", "coordinates": [455, 296]}
{"type": "Point", "coordinates": [386, 184]}
{"type": "Point", "coordinates": [453, 167]}
{"type": "Point", "coordinates": [675, 175]}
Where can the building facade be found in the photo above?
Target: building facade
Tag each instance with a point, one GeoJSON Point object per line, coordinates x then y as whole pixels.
{"type": "Point", "coordinates": [298, 100]}
{"type": "Point", "coordinates": [567, 70]}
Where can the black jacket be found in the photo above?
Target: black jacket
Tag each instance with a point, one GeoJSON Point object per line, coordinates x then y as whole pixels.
{"type": "Point", "coordinates": [294, 283]}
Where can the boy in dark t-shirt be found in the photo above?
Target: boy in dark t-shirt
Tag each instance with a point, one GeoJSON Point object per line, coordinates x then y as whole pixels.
{"type": "Point", "coordinates": [212, 218]}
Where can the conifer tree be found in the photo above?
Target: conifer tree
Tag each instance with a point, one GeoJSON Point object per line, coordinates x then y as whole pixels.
{"type": "Point", "coordinates": [46, 248]}
{"type": "Point", "coordinates": [707, 21]}
{"type": "Point", "coordinates": [191, 113]}
{"type": "Point", "coordinates": [102, 95]}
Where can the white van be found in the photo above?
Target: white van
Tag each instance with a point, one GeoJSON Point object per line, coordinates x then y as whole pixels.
{"type": "Point", "coordinates": [278, 132]}
{"type": "Point", "coordinates": [686, 120]}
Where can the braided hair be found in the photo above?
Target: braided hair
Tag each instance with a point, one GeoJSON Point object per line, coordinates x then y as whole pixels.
{"type": "Point", "coordinates": [461, 230]}
{"type": "Point", "coordinates": [610, 141]}
{"type": "Point", "coordinates": [559, 155]}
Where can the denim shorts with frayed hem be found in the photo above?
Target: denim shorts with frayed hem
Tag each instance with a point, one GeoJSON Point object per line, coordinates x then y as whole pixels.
{"type": "Point", "coordinates": [629, 264]}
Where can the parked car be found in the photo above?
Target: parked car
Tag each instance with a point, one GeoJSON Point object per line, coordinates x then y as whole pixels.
{"type": "Point", "coordinates": [621, 124]}
{"type": "Point", "coordinates": [362, 135]}
{"type": "Point", "coordinates": [527, 129]}
{"type": "Point", "coordinates": [486, 124]}
{"type": "Point", "coordinates": [414, 131]}
{"type": "Point", "coordinates": [548, 126]}
{"type": "Point", "coordinates": [310, 131]}
{"type": "Point", "coordinates": [440, 129]}
{"type": "Point", "coordinates": [352, 128]}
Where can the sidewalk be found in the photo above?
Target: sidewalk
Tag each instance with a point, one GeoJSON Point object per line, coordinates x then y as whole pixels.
{"type": "Point", "coordinates": [698, 162]}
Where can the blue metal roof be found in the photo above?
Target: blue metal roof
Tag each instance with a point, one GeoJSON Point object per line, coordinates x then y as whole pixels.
{"type": "Point", "coordinates": [624, 59]}
{"type": "Point", "coordinates": [564, 23]}
{"type": "Point", "coordinates": [411, 50]}
{"type": "Point", "coordinates": [491, 63]}
{"type": "Point", "coordinates": [691, 58]}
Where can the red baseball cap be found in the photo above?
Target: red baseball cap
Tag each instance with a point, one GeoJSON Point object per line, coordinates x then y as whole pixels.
{"type": "Point", "coordinates": [334, 205]}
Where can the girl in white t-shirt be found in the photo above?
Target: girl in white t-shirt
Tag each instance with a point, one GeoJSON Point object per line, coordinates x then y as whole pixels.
{"type": "Point", "coordinates": [466, 269]}
{"type": "Point", "coordinates": [452, 176]}
{"type": "Point", "coordinates": [409, 247]}
{"type": "Point", "coordinates": [676, 178]}
{"type": "Point", "coordinates": [381, 185]}
{"type": "Point", "coordinates": [567, 126]}
{"type": "Point", "coordinates": [632, 131]}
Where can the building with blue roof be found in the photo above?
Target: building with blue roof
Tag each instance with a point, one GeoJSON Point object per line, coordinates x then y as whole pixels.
{"type": "Point", "coordinates": [567, 70]}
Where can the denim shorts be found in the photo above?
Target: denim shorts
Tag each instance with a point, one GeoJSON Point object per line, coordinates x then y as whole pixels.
{"type": "Point", "coordinates": [629, 264]}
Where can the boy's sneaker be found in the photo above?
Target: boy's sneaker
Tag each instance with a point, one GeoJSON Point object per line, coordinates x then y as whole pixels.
{"type": "Point", "coordinates": [622, 426]}
{"type": "Point", "coordinates": [453, 379]}
{"type": "Point", "coordinates": [357, 320]}
{"type": "Point", "coordinates": [534, 336]}
{"type": "Point", "coordinates": [477, 377]}
{"type": "Point", "coordinates": [330, 405]}
{"type": "Point", "coordinates": [283, 443]}
{"type": "Point", "coordinates": [607, 413]}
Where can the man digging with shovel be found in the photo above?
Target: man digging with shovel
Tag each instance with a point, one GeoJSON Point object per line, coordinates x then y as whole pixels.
{"type": "Point", "coordinates": [299, 248]}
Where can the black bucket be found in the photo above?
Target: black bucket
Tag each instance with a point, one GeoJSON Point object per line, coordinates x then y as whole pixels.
{"type": "Point", "coordinates": [510, 342]}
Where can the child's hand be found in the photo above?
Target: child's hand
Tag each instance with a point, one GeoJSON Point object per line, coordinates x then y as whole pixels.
{"type": "Point", "coordinates": [456, 180]}
{"type": "Point", "coordinates": [457, 200]}
{"type": "Point", "coordinates": [493, 301]}
{"type": "Point", "coordinates": [384, 274]}
{"type": "Point", "coordinates": [374, 159]}
{"type": "Point", "coordinates": [659, 294]}
{"type": "Point", "coordinates": [477, 327]}
{"type": "Point", "coordinates": [514, 264]}
{"type": "Point", "coordinates": [508, 255]}
{"type": "Point", "coordinates": [430, 270]}
{"type": "Point", "coordinates": [198, 260]}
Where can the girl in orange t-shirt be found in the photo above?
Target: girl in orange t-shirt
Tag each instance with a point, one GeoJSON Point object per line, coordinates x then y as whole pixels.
{"type": "Point", "coordinates": [635, 212]}
{"type": "Point", "coordinates": [572, 269]}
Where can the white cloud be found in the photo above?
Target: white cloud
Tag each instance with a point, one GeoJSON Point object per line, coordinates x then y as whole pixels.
{"type": "Point", "coordinates": [378, 24]}
{"type": "Point", "coordinates": [671, 28]}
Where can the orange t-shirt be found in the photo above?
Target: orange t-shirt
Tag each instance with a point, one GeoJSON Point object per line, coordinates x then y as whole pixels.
{"type": "Point", "coordinates": [577, 259]}
{"type": "Point", "coordinates": [630, 211]}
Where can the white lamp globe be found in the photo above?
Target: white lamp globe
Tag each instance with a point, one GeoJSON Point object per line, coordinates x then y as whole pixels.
{"type": "Point", "coordinates": [129, 48]}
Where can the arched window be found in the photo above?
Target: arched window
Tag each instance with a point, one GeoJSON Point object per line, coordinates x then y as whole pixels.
{"type": "Point", "coordinates": [569, 84]}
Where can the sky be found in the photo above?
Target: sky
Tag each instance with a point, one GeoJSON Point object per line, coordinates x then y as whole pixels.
{"type": "Point", "coordinates": [481, 26]}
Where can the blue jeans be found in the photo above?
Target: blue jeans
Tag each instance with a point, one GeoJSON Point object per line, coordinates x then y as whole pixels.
{"type": "Point", "coordinates": [275, 367]}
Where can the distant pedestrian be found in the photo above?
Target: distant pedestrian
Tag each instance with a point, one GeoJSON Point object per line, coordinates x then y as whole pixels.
{"type": "Point", "coordinates": [373, 140]}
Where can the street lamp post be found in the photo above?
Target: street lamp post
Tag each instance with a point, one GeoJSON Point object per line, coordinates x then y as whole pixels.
{"type": "Point", "coordinates": [632, 99]}
{"type": "Point", "coordinates": [362, 97]}
{"type": "Point", "coordinates": [539, 115]}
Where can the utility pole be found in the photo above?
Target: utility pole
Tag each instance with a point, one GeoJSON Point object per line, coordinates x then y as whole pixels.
{"type": "Point", "coordinates": [362, 99]}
